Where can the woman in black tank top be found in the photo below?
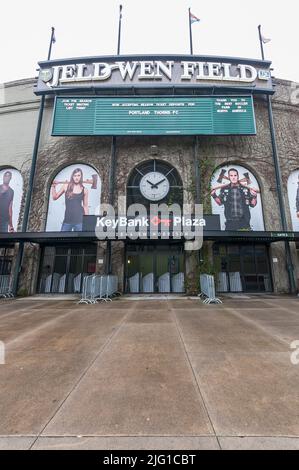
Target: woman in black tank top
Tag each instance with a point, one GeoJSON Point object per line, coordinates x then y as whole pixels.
{"type": "Point", "coordinates": [76, 201]}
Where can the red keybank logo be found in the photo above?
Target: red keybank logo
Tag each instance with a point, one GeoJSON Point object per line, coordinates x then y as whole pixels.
{"type": "Point", "coordinates": [156, 221]}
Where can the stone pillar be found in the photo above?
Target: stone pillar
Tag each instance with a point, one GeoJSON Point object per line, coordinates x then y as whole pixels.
{"type": "Point", "coordinates": [191, 267]}
{"type": "Point", "coordinates": [100, 258]}
{"type": "Point", "coordinates": [28, 284]}
{"type": "Point", "coordinates": [118, 262]}
{"type": "Point", "coordinates": [279, 273]}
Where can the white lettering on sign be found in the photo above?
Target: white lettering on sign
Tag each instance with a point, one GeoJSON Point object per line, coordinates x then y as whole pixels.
{"type": "Point", "coordinates": [127, 69]}
{"type": "Point", "coordinates": [218, 71]}
{"type": "Point", "coordinates": [152, 70]}
{"type": "Point", "coordinates": [247, 73]}
{"type": "Point", "coordinates": [71, 104]}
{"type": "Point", "coordinates": [166, 69]}
{"type": "Point", "coordinates": [215, 70]}
{"type": "Point", "coordinates": [146, 70]}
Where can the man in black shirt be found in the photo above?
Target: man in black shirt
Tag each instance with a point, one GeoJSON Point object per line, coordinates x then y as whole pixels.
{"type": "Point", "coordinates": [6, 201]}
{"type": "Point", "coordinates": [237, 199]}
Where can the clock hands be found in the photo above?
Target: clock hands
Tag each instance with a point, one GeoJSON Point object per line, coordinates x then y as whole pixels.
{"type": "Point", "coordinates": [155, 185]}
{"type": "Point", "coordinates": [152, 184]}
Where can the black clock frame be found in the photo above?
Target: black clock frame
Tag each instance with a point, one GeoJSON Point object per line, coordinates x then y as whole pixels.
{"type": "Point", "coordinates": [175, 194]}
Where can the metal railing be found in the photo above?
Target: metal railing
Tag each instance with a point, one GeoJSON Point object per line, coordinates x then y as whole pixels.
{"type": "Point", "coordinates": [164, 283]}
{"type": "Point", "coordinates": [207, 288]}
{"type": "Point", "coordinates": [99, 288]}
{"type": "Point", "coordinates": [148, 283]}
{"type": "Point", "coordinates": [134, 283]}
{"type": "Point", "coordinates": [178, 283]}
{"type": "Point", "coordinates": [222, 285]}
{"type": "Point", "coordinates": [235, 282]}
{"type": "Point", "coordinates": [5, 286]}
{"type": "Point", "coordinates": [60, 283]}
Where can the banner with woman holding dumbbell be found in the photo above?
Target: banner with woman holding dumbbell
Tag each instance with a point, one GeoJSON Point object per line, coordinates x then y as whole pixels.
{"type": "Point", "coordinates": [71, 198]}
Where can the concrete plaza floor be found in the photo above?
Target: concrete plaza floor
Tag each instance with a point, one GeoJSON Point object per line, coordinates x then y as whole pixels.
{"type": "Point", "coordinates": [149, 374]}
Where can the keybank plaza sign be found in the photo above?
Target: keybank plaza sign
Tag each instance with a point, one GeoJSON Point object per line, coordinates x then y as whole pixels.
{"type": "Point", "coordinates": [161, 221]}
{"type": "Point", "coordinates": [152, 71]}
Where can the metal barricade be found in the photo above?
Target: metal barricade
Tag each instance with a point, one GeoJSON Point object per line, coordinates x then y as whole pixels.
{"type": "Point", "coordinates": [164, 283]}
{"type": "Point", "coordinates": [77, 283]}
{"type": "Point", "coordinates": [98, 288]}
{"type": "Point", "coordinates": [55, 282]}
{"type": "Point", "coordinates": [5, 290]}
{"type": "Point", "coordinates": [235, 282]}
{"type": "Point", "coordinates": [101, 288]}
{"type": "Point", "coordinates": [48, 283]}
{"type": "Point", "coordinates": [86, 297]}
{"type": "Point", "coordinates": [112, 285]}
{"type": "Point", "coordinates": [109, 287]}
{"type": "Point", "coordinates": [62, 284]}
{"type": "Point", "coordinates": [222, 282]}
{"type": "Point", "coordinates": [134, 283]}
{"type": "Point", "coordinates": [177, 282]}
{"type": "Point", "coordinates": [148, 283]}
{"type": "Point", "coordinates": [207, 287]}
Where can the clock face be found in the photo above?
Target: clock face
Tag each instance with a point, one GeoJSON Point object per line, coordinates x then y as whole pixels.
{"type": "Point", "coordinates": [154, 186]}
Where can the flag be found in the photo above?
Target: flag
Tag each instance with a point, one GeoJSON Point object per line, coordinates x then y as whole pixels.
{"type": "Point", "coordinates": [193, 18]}
{"type": "Point", "coordinates": [265, 40]}
{"type": "Point", "coordinates": [53, 38]}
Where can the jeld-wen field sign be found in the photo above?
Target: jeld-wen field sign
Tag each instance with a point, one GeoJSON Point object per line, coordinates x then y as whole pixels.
{"type": "Point", "coordinates": [154, 116]}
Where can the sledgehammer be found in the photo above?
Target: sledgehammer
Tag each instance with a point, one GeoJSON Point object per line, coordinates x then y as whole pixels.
{"type": "Point", "coordinates": [93, 182]}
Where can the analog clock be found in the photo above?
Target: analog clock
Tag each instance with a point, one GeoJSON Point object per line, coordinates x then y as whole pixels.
{"type": "Point", "coordinates": [154, 186]}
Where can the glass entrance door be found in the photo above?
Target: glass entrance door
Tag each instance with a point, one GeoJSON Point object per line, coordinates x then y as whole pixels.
{"type": "Point", "coordinates": [140, 270]}
{"type": "Point", "coordinates": [242, 268]}
{"type": "Point", "coordinates": [6, 260]}
{"type": "Point", "coordinates": [63, 268]}
{"type": "Point", "coordinates": [155, 268]}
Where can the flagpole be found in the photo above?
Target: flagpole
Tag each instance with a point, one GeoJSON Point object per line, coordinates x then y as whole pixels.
{"type": "Point", "coordinates": [112, 166]}
{"type": "Point", "coordinates": [19, 259]}
{"type": "Point", "coordinates": [52, 40]}
{"type": "Point", "coordinates": [261, 42]}
{"type": "Point", "coordinates": [190, 32]}
{"type": "Point", "coordinates": [119, 29]}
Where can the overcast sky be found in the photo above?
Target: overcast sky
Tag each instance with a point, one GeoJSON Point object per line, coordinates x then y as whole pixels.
{"type": "Point", "coordinates": [89, 27]}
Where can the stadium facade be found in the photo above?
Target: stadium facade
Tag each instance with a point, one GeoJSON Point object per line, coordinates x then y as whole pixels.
{"type": "Point", "coordinates": [127, 130]}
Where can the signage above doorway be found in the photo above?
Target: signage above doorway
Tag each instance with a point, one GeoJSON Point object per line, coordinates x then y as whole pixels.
{"type": "Point", "coordinates": [232, 115]}
{"type": "Point", "coordinates": [142, 227]}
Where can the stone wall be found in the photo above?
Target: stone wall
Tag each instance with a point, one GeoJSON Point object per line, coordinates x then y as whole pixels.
{"type": "Point", "coordinates": [18, 117]}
